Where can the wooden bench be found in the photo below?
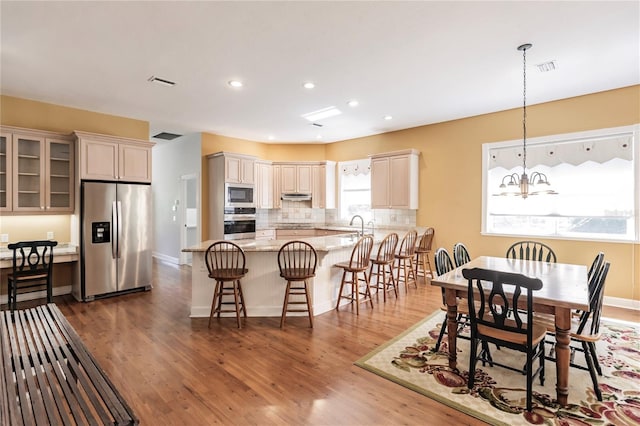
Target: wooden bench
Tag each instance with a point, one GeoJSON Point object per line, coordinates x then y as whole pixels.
{"type": "Point", "coordinates": [49, 377]}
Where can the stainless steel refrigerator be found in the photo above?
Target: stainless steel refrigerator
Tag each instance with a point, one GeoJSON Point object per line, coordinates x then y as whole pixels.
{"type": "Point", "coordinates": [115, 235]}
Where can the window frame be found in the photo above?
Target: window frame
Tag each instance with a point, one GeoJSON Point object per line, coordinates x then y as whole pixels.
{"type": "Point", "coordinates": [347, 163]}
{"type": "Point", "coordinates": [634, 130]}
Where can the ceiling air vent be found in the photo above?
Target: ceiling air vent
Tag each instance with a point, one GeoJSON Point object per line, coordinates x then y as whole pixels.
{"type": "Point", "coordinates": [547, 66]}
{"type": "Point", "coordinates": [164, 82]}
{"type": "Point", "coordinates": [166, 136]}
{"type": "Point", "coordinates": [317, 124]}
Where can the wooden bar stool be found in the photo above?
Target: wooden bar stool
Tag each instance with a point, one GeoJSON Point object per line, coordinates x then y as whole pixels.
{"type": "Point", "coordinates": [383, 263]}
{"type": "Point", "coordinates": [297, 261]}
{"type": "Point", "coordinates": [422, 253]}
{"type": "Point", "coordinates": [358, 264]}
{"type": "Point", "coordinates": [404, 259]}
{"type": "Point", "coordinates": [226, 264]}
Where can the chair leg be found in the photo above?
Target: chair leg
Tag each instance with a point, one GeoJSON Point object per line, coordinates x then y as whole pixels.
{"type": "Point", "coordinates": [309, 305]}
{"type": "Point", "coordinates": [244, 308]}
{"type": "Point", "coordinates": [473, 353]}
{"type": "Point", "coordinates": [594, 357]}
{"type": "Point", "coordinates": [442, 329]}
{"type": "Point", "coordinates": [412, 272]}
{"type": "Point", "coordinates": [236, 295]}
{"type": "Point", "coordinates": [344, 275]}
{"type": "Point", "coordinates": [216, 293]}
{"type": "Point", "coordinates": [367, 288]}
{"type": "Point", "coordinates": [355, 293]}
{"type": "Point", "coordinates": [285, 304]}
{"type": "Point", "coordinates": [592, 370]}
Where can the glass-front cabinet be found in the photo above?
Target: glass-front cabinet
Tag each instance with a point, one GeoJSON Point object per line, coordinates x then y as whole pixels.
{"type": "Point", "coordinates": [42, 174]}
{"type": "Point", "coordinates": [5, 171]}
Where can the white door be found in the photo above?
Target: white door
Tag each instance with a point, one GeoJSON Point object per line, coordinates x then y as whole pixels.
{"type": "Point", "coordinates": [190, 217]}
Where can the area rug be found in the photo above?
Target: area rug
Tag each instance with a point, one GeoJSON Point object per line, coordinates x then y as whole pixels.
{"type": "Point", "coordinates": [499, 395]}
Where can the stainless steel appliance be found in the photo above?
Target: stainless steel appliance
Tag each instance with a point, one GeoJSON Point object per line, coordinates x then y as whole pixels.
{"type": "Point", "coordinates": [115, 239]}
{"type": "Point", "coordinates": [239, 223]}
{"type": "Point", "coordinates": [239, 195]}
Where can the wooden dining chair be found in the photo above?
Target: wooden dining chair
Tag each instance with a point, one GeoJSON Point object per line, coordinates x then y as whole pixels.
{"type": "Point", "coordinates": [460, 254]}
{"type": "Point", "coordinates": [297, 261]}
{"type": "Point", "coordinates": [225, 262]}
{"type": "Point", "coordinates": [444, 265]}
{"type": "Point", "coordinates": [423, 250]}
{"type": "Point", "coordinates": [585, 328]}
{"type": "Point", "coordinates": [382, 267]}
{"type": "Point", "coordinates": [404, 260]}
{"type": "Point", "coordinates": [31, 270]}
{"type": "Point", "coordinates": [531, 250]}
{"type": "Point", "coordinates": [351, 270]}
{"type": "Point", "coordinates": [501, 317]}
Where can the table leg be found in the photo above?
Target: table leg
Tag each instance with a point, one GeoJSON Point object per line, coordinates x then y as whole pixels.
{"type": "Point", "coordinates": [563, 324]}
{"type": "Point", "coordinates": [452, 325]}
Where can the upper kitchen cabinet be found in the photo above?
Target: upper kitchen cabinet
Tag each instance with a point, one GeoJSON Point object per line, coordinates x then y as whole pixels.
{"type": "Point", "coordinates": [323, 195]}
{"type": "Point", "coordinates": [114, 158]}
{"type": "Point", "coordinates": [5, 171]}
{"type": "Point", "coordinates": [239, 169]}
{"type": "Point", "coordinates": [394, 180]}
{"type": "Point", "coordinates": [296, 178]}
{"type": "Point", "coordinates": [37, 171]}
{"type": "Point", "coordinates": [264, 185]}
{"type": "Point", "coordinates": [276, 171]}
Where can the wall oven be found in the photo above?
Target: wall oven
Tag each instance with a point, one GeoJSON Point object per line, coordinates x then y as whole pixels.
{"type": "Point", "coordinates": [239, 195]}
{"type": "Point", "coordinates": [239, 223]}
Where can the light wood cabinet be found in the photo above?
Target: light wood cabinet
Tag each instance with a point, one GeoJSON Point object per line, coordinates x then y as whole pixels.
{"type": "Point", "coordinates": [111, 158]}
{"type": "Point", "coordinates": [276, 170]}
{"type": "Point", "coordinates": [239, 169]}
{"type": "Point", "coordinates": [36, 171]}
{"type": "Point", "coordinates": [6, 176]}
{"type": "Point", "coordinates": [323, 195]}
{"type": "Point", "coordinates": [264, 185]}
{"type": "Point", "coordinates": [394, 180]}
{"type": "Point", "coordinates": [296, 178]}
{"type": "Point", "coordinates": [266, 234]}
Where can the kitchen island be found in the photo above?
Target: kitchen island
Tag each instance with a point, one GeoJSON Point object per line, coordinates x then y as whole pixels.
{"type": "Point", "coordinates": [263, 288]}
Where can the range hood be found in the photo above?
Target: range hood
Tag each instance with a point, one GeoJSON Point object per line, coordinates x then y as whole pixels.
{"type": "Point", "coordinates": [295, 196]}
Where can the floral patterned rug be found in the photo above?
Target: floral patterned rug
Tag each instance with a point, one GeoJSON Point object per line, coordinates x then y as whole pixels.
{"type": "Point", "coordinates": [499, 395]}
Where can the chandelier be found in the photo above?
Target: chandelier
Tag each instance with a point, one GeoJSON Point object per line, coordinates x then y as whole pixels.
{"type": "Point", "coordinates": [523, 185]}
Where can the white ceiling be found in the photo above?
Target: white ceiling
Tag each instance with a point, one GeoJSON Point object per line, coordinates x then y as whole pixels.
{"type": "Point", "coordinates": [420, 62]}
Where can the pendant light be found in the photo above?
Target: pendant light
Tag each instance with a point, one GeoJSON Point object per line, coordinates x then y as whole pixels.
{"type": "Point", "coordinates": [523, 185]}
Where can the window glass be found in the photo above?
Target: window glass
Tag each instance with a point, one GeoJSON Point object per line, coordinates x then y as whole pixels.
{"type": "Point", "coordinates": [594, 180]}
{"type": "Point", "coordinates": [355, 189]}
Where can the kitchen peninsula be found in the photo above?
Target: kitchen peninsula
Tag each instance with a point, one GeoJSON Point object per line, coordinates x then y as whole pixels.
{"type": "Point", "coordinates": [263, 287]}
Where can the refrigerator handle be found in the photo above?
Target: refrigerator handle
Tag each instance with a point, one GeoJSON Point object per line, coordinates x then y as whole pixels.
{"type": "Point", "coordinates": [119, 226]}
{"type": "Point", "coordinates": [114, 225]}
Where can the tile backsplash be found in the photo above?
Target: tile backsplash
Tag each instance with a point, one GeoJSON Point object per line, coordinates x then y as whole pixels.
{"type": "Point", "coordinates": [300, 212]}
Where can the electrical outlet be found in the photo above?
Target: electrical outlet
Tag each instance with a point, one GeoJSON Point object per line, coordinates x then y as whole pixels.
{"type": "Point", "coordinates": [4, 238]}
{"type": "Point", "coordinates": [50, 235]}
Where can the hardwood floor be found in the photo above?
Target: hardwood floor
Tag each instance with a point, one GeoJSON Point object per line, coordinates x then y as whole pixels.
{"type": "Point", "coordinates": [173, 370]}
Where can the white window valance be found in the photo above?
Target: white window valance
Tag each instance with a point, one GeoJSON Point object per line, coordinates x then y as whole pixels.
{"type": "Point", "coordinates": [575, 152]}
{"type": "Point", "coordinates": [355, 167]}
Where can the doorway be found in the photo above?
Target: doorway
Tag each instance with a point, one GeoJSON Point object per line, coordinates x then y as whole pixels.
{"type": "Point", "coordinates": [190, 217]}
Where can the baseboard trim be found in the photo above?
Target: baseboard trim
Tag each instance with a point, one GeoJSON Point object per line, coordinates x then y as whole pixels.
{"type": "Point", "coordinates": [619, 302]}
{"type": "Point", "coordinates": [167, 259]}
{"type": "Point", "coordinates": [57, 291]}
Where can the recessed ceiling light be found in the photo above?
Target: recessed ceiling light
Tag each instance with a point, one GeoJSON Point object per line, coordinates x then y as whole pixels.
{"type": "Point", "coordinates": [322, 113]}
{"type": "Point", "coordinates": [388, 117]}
{"type": "Point", "coordinates": [353, 103]}
{"type": "Point", "coordinates": [235, 83]}
{"type": "Point", "coordinates": [319, 137]}
{"type": "Point", "coordinates": [308, 85]}
{"type": "Point", "coordinates": [164, 82]}
{"type": "Point", "coordinates": [271, 137]}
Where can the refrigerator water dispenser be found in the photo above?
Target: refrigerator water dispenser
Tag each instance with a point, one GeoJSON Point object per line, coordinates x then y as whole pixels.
{"type": "Point", "coordinates": [100, 232]}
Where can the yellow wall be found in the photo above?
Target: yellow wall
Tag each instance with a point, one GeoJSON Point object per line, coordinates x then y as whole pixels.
{"type": "Point", "coordinates": [21, 228]}
{"type": "Point", "coordinates": [42, 116]}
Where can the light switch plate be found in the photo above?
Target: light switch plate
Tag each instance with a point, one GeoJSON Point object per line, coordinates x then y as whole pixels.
{"type": "Point", "coordinates": [50, 235]}
{"type": "Point", "coordinates": [4, 238]}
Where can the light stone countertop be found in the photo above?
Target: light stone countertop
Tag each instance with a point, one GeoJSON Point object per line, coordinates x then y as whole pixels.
{"type": "Point", "coordinates": [324, 243]}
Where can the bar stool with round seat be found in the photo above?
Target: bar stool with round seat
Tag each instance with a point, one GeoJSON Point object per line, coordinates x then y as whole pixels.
{"type": "Point", "coordinates": [226, 264]}
{"type": "Point", "coordinates": [383, 264]}
{"type": "Point", "coordinates": [423, 250]}
{"type": "Point", "coordinates": [404, 259]}
{"type": "Point", "coordinates": [357, 264]}
{"type": "Point", "coordinates": [297, 261]}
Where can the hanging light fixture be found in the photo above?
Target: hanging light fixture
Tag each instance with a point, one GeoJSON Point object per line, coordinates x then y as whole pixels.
{"type": "Point", "coordinates": [523, 185]}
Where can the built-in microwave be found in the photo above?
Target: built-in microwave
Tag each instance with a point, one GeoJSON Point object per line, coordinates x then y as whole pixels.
{"type": "Point", "coordinates": [239, 195]}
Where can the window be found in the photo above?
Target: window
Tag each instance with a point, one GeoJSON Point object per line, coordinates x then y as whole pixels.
{"type": "Point", "coordinates": [355, 189]}
{"type": "Point", "coordinates": [595, 175]}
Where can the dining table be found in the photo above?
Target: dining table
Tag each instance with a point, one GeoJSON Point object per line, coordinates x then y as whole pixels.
{"type": "Point", "coordinates": [564, 288]}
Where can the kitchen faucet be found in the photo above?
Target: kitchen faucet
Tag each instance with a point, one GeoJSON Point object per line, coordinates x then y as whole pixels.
{"type": "Point", "coordinates": [373, 227]}
{"type": "Point", "coordinates": [361, 233]}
